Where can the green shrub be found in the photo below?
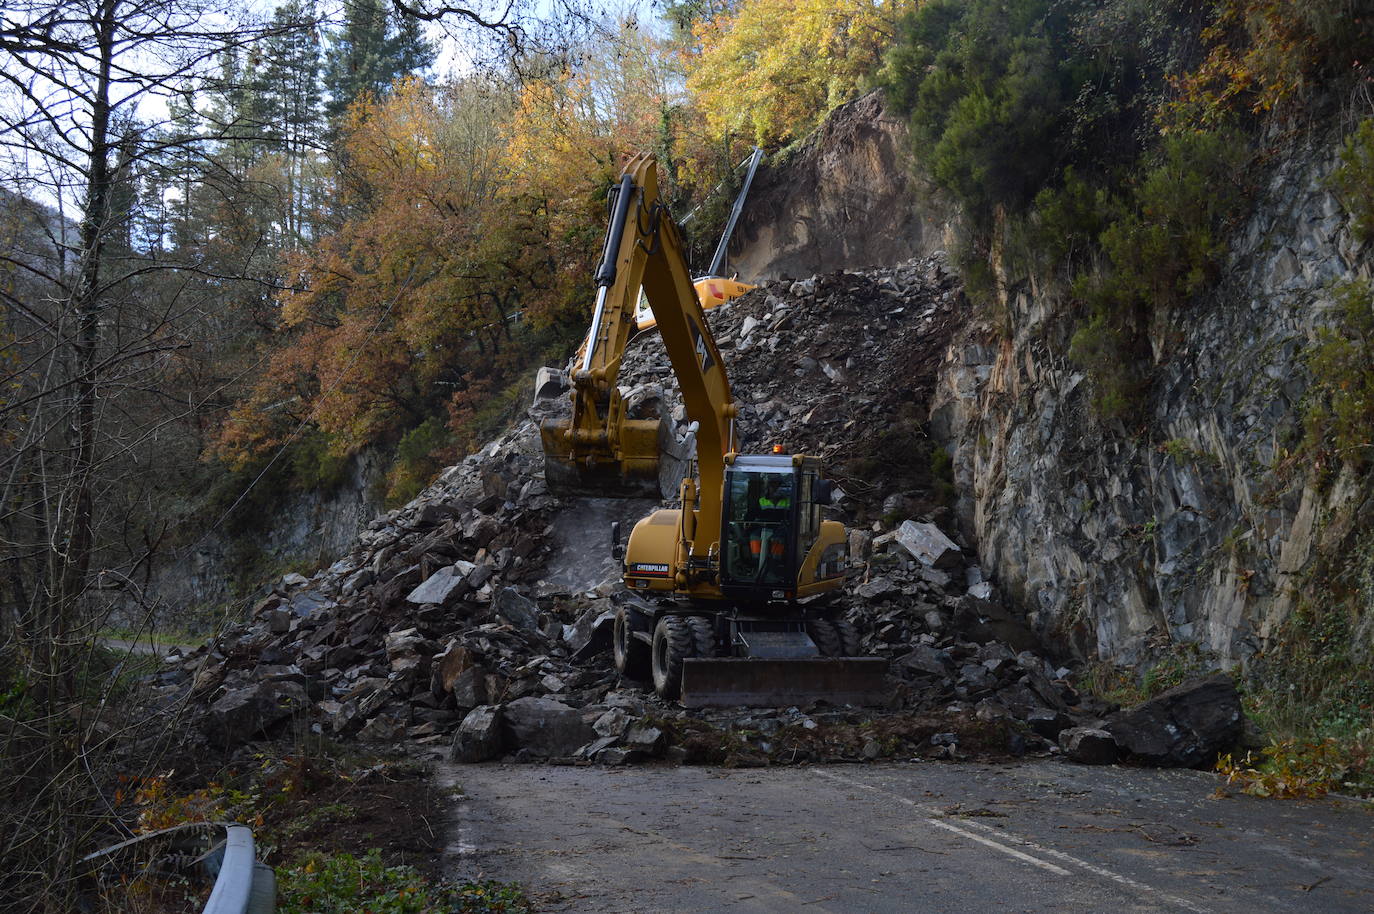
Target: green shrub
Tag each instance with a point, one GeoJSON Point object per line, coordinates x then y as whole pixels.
{"type": "Point", "coordinates": [1003, 94]}
{"type": "Point", "coordinates": [1106, 346]}
{"type": "Point", "coordinates": [1311, 692]}
{"type": "Point", "coordinates": [344, 884]}
{"type": "Point", "coordinates": [1169, 245]}
{"type": "Point", "coordinates": [942, 477]}
{"type": "Point", "coordinates": [1162, 245]}
{"type": "Point", "coordinates": [1353, 179]}
{"type": "Point", "coordinates": [1339, 418]}
{"type": "Point", "coordinates": [316, 466]}
{"type": "Point", "coordinates": [1303, 767]}
{"type": "Point", "coordinates": [985, 85]}
{"type": "Point", "coordinates": [1069, 219]}
{"type": "Point", "coordinates": [421, 453]}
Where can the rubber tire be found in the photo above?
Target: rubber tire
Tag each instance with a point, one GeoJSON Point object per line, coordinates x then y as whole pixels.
{"type": "Point", "coordinates": [631, 654]}
{"type": "Point", "coordinates": [703, 636]}
{"type": "Point", "coordinates": [827, 639]}
{"type": "Point", "coordinates": [673, 643]}
{"type": "Point", "coordinates": [850, 643]}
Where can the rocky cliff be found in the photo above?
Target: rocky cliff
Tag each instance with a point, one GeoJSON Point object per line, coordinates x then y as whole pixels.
{"type": "Point", "coordinates": [306, 530]}
{"type": "Point", "coordinates": [844, 198]}
{"type": "Point", "coordinates": [1191, 523]}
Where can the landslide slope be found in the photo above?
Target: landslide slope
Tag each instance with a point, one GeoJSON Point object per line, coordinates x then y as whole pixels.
{"type": "Point", "coordinates": [449, 604]}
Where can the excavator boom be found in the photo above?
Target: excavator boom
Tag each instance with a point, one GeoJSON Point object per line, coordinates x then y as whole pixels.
{"type": "Point", "coordinates": [600, 450]}
{"type": "Point", "coordinates": [721, 593]}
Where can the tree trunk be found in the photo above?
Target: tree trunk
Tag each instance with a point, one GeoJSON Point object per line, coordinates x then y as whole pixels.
{"type": "Point", "coordinates": [74, 541]}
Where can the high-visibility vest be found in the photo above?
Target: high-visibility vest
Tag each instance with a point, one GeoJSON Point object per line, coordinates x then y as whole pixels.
{"type": "Point", "coordinates": [782, 502]}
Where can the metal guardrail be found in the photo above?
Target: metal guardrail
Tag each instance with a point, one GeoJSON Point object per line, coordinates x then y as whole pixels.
{"type": "Point", "coordinates": [244, 886]}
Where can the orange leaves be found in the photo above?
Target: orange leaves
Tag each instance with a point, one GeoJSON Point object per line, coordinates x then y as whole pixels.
{"type": "Point", "coordinates": [473, 205]}
{"type": "Point", "coordinates": [159, 807]}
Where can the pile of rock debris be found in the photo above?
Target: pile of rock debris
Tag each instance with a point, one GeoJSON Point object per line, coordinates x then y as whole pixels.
{"type": "Point", "coordinates": [443, 625]}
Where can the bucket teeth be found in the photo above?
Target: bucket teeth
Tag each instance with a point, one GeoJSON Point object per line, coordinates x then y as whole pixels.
{"type": "Point", "coordinates": [567, 478]}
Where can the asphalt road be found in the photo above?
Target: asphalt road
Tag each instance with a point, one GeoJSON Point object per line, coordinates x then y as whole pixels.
{"type": "Point", "coordinates": [1038, 836]}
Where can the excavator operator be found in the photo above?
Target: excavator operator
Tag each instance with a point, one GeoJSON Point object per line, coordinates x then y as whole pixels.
{"type": "Point", "coordinates": [769, 540]}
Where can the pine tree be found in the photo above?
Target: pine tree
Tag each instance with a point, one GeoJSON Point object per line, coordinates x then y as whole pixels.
{"type": "Point", "coordinates": [370, 53]}
{"type": "Point", "coordinates": [288, 94]}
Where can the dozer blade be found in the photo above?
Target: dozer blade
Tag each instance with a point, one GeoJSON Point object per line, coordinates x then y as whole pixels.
{"type": "Point", "coordinates": [757, 683]}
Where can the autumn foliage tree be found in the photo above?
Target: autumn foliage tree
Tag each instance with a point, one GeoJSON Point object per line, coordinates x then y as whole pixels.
{"type": "Point", "coordinates": [477, 207]}
{"type": "Point", "coordinates": [771, 69]}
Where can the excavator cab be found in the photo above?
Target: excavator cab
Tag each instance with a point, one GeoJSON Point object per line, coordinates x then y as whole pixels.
{"type": "Point", "coordinates": [772, 522]}
{"type": "Point", "coordinates": [759, 542]}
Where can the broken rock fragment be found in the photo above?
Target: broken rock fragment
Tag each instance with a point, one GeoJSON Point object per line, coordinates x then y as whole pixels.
{"type": "Point", "coordinates": [547, 727]}
{"type": "Point", "coordinates": [444, 585]}
{"type": "Point", "coordinates": [480, 736]}
{"type": "Point", "coordinates": [517, 609]}
{"type": "Point", "coordinates": [1185, 726]}
{"type": "Point", "coordinates": [249, 712]}
{"type": "Point", "coordinates": [1088, 746]}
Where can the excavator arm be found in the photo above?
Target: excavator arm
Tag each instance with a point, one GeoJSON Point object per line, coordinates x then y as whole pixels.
{"type": "Point", "coordinates": [738, 627]}
{"type": "Point", "coordinates": [600, 450]}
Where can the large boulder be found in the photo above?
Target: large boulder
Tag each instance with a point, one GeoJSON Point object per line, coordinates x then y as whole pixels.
{"type": "Point", "coordinates": [1184, 727]}
{"type": "Point", "coordinates": [929, 544]}
{"type": "Point", "coordinates": [1088, 746]}
{"type": "Point", "coordinates": [547, 727]}
{"type": "Point", "coordinates": [591, 633]}
{"type": "Point", "coordinates": [986, 620]}
{"type": "Point", "coordinates": [517, 609]}
{"type": "Point", "coordinates": [244, 714]}
{"type": "Point", "coordinates": [480, 736]}
{"type": "Point", "coordinates": [927, 660]}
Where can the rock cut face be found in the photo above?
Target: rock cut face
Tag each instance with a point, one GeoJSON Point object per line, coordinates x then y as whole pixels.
{"type": "Point", "coordinates": [846, 200]}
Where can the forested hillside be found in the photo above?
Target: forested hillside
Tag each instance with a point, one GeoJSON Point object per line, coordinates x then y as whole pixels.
{"type": "Point", "coordinates": [251, 257]}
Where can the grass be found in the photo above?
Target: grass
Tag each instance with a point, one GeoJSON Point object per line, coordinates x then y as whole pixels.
{"type": "Point", "coordinates": [1129, 687]}
{"type": "Point", "coordinates": [161, 636]}
{"type": "Point", "coordinates": [344, 884]}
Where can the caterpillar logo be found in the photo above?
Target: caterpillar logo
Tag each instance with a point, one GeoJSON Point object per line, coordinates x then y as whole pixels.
{"type": "Point", "coordinates": [703, 351]}
{"type": "Point", "coordinates": [649, 568]}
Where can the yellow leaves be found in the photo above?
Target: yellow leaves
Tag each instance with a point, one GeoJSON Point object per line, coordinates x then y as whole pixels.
{"type": "Point", "coordinates": [1262, 55]}
{"type": "Point", "coordinates": [1295, 768]}
{"type": "Point", "coordinates": [774, 69]}
{"type": "Point", "coordinates": [393, 138]}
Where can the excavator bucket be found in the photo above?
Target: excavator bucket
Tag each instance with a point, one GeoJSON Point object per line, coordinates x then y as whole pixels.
{"type": "Point", "coordinates": [630, 470]}
{"type": "Point", "coordinates": [778, 683]}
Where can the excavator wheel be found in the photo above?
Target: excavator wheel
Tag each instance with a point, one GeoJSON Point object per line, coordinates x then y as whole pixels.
{"type": "Point", "coordinates": [849, 638]}
{"type": "Point", "coordinates": [631, 654]}
{"type": "Point", "coordinates": [673, 643]}
{"type": "Point", "coordinates": [827, 639]}
{"type": "Point", "coordinates": [703, 636]}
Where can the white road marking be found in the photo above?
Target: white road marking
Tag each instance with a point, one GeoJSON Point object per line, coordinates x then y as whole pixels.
{"type": "Point", "coordinates": [934, 817]}
{"type": "Point", "coordinates": [1009, 851]}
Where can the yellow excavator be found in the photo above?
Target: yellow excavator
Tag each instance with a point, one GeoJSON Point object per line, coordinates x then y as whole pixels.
{"type": "Point", "coordinates": [725, 597]}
